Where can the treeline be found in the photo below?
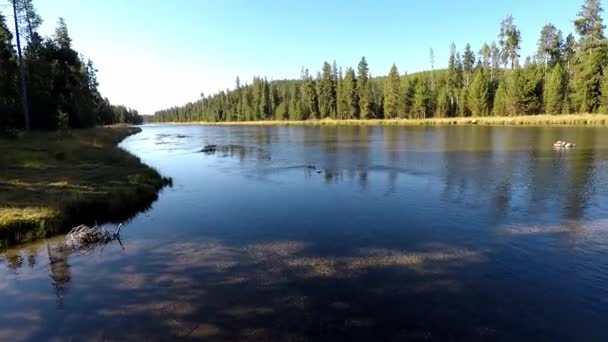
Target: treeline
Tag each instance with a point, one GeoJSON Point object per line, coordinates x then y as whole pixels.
{"type": "Point", "coordinates": [124, 115]}
{"type": "Point", "coordinates": [567, 75]}
{"type": "Point", "coordinates": [61, 86]}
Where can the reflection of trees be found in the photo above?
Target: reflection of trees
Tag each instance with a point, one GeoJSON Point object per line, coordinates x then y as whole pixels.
{"type": "Point", "coordinates": [362, 149]}
{"type": "Point", "coordinates": [59, 269]}
{"type": "Point", "coordinates": [329, 141]}
{"type": "Point", "coordinates": [391, 145]}
{"type": "Point", "coordinates": [498, 168]}
{"type": "Point", "coordinates": [581, 167]}
{"type": "Point", "coordinates": [492, 169]}
{"type": "Point", "coordinates": [14, 260]}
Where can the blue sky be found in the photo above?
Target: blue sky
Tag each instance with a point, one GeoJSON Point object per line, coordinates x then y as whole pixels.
{"type": "Point", "coordinates": [152, 54]}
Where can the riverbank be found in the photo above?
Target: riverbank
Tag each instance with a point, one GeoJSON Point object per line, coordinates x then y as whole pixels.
{"type": "Point", "coordinates": [528, 120]}
{"type": "Point", "coordinates": [50, 181]}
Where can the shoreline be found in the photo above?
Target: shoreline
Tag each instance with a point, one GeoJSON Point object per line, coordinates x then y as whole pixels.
{"type": "Point", "coordinates": [527, 120]}
{"type": "Point", "coordinates": [51, 181]}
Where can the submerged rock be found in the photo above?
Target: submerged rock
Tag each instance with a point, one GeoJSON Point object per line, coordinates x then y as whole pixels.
{"type": "Point", "coordinates": [563, 144]}
{"type": "Point", "coordinates": [209, 149]}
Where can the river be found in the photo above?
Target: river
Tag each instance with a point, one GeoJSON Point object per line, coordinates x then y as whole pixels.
{"type": "Point", "coordinates": [294, 233]}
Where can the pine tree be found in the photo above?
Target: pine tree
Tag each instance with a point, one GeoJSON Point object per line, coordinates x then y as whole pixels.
{"type": "Point", "coordinates": [421, 105]}
{"type": "Point", "coordinates": [587, 79]}
{"type": "Point", "coordinates": [443, 103]}
{"type": "Point", "coordinates": [495, 60]}
{"type": "Point", "coordinates": [485, 56]}
{"type": "Point", "coordinates": [603, 109]}
{"type": "Point", "coordinates": [468, 62]}
{"type": "Point", "coordinates": [349, 91]}
{"type": "Point", "coordinates": [479, 94]}
{"type": "Point", "coordinates": [459, 72]}
{"type": "Point", "coordinates": [452, 81]}
{"type": "Point", "coordinates": [8, 79]}
{"type": "Point", "coordinates": [364, 89]}
{"type": "Point", "coordinates": [502, 103]}
{"type": "Point", "coordinates": [29, 20]}
{"type": "Point", "coordinates": [550, 46]}
{"type": "Point", "coordinates": [555, 90]}
{"type": "Point", "coordinates": [589, 24]}
{"type": "Point", "coordinates": [463, 102]}
{"type": "Point", "coordinates": [392, 87]}
{"type": "Point", "coordinates": [342, 103]}
{"type": "Point", "coordinates": [569, 50]}
{"type": "Point", "coordinates": [510, 40]}
{"type": "Point", "coordinates": [327, 92]}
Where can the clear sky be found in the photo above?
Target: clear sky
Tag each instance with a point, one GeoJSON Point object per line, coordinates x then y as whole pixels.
{"type": "Point", "coordinates": [153, 54]}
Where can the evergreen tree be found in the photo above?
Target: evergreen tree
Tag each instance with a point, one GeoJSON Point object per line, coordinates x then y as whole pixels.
{"type": "Point", "coordinates": [479, 94]}
{"type": "Point", "coordinates": [364, 92]}
{"type": "Point", "coordinates": [587, 79]}
{"type": "Point", "coordinates": [555, 90]}
{"type": "Point", "coordinates": [502, 102]}
{"type": "Point", "coordinates": [589, 24]}
{"type": "Point", "coordinates": [391, 93]}
{"type": "Point", "coordinates": [485, 56]}
{"type": "Point", "coordinates": [550, 46]}
{"type": "Point", "coordinates": [8, 79]}
{"type": "Point", "coordinates": [463, 102]}
{"type": "Point", "coordinates": [510, 40]}
{"type": "Point", "coordinates": [459, 72]}
{"type": "Point", "coordinates": [29, 20]}
{"type": "Point", "coordinates": [408, 91]}
{"type": "Point", "coordinates": [569, 50]}
{"type": "Point", "coordinates": [421, 106]}
{"type": "Point", "coordinates": [443, 108]}
{"type": "Point", "coordinates": [349, 91]}
{"type": "Point", "coordinates": [327, 92]}
{"type": "Point", "coordinates": [468, 62]}
{"type": "Point", "coordinates": [604, 97]}
{"type": "Point", "coordinates": [495, 60]}
{"type": "Point", "coordinates": [342, 103]}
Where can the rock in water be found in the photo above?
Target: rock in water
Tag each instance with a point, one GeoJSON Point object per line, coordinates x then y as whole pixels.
{"type": "Point", "coordinates": [209, 149]}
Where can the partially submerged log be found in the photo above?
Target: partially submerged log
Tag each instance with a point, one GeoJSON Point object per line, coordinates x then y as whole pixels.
{"type": "Point", "coordinates": [84, 237]}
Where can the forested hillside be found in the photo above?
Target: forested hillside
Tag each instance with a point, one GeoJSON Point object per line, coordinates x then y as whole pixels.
{"type": "Point", "coordinates": [568, 74]}
{"type": "Point", "coordinates": [44, 82]}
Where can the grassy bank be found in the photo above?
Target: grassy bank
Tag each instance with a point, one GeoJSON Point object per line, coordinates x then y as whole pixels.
{"type": "Point", "coordinates": [530, 120]}
{"type": "Point", "coordinates": [50, 181]}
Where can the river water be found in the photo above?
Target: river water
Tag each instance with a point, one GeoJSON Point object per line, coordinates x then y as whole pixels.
{"type": "Point", "coordinates": [338, 234]}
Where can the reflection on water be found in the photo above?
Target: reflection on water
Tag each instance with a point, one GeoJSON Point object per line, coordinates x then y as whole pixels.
{"type": "Point", "coordinates": [342, 234]}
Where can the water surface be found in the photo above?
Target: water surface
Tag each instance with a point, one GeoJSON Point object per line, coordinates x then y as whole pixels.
{"type": "Point", "coordinates": [338, 234]}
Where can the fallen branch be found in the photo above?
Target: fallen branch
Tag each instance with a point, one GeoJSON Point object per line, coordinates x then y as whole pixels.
{"type": "Point", "coordinates": [85, 237]}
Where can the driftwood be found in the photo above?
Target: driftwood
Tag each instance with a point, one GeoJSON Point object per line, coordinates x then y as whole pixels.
{"type": "Point", "coordinates": [85, 237]}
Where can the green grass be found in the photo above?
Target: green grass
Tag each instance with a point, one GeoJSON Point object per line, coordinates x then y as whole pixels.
{"type": "Point", "coordinates": [529, 120]}
{"type": "Point", "coordinates": [50, 181]}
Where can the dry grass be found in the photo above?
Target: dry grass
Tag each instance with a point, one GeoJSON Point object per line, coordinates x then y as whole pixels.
{"type": "Point", "coordinates": [50, 180]}
{"type": "Point", "coordinates": [529, 120]}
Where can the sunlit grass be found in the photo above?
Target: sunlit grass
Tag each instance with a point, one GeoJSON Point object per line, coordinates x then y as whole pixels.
{"type": "Point", "coordinates": [528, 120]}
{"type": "Point", "coordinates": [50, 180]}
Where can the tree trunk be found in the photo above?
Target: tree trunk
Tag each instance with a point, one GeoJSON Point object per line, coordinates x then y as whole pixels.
{"type": "Point", "coordinates": [24, 98]}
